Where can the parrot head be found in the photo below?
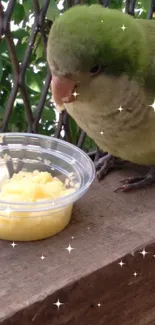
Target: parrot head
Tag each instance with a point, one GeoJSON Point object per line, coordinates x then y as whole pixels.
{"type": "Point", "coordinates": [87, 41]}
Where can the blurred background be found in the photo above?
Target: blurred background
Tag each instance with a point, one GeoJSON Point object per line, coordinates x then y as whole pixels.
{"type": "Point", "coordinates": [25, 96]}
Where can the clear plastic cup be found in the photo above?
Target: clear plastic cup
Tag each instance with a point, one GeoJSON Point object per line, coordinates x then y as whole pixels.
{"type": "Point", "coordinates": [20, 221]}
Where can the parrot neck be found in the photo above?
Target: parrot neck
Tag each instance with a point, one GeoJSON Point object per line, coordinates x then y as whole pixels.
{"type": "Point", "coordinates": [116, 114]}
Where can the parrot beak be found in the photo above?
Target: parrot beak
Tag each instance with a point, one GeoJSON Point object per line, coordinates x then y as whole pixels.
{"type": "Point", "coordinates": [63, 90]}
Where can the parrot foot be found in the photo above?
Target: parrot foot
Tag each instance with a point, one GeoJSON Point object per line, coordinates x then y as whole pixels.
{"type": "Point", "coordinates": [108, 163]}
{"type": "Point", "coordinates": [138, 182]}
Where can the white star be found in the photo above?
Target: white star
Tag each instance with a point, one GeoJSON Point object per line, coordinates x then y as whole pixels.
{"type": "Point", "coordinates": [120, 109]}
{"type": "Point", "coordinates": [88, 228]}
{"type": "Point", "coordinates": [143, 252]}
{"type": "Point", "coordinates": [121, 263]}
{"type": "Point", "coordinates": [72, 237]}
{"type": "Point", "coordinates": [58, 303]}
{"type": "Point", "coordinates": [135, 274]}
{"type": "Point", "coordinates": [99, 305]}
{"type": "Point", "coordinates": [101, 132]}
{"type": "Point", "coordinates": [153, 105]}
{"type": "Point", "coordinates": [123, 28]}
{"type": "Point", "coordinates": [13, 244]}
{"type": "Point", "coordinates": [101, 21]}
{"type": "Point", "coordinates": [75, 94]}
{"type": "Point", "coordinates": [69, 248]}
{"type": "Point", "coordinates": [42, 257]}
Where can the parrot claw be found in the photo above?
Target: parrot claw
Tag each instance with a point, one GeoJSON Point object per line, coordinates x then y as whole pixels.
{"type": "Point", "coordinates": [137, 182]}
{"type": "Point", "coordinates": [131, 180]}
{"type": "Point", "coordinates": [107, 163]}
{"type": "Point", "coordinates": [103, 164]}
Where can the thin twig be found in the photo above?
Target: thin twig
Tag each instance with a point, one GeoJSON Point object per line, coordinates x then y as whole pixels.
{"type": "Point", "coordinates": [106, 3]}
{"type": "Point", "coordinates": [81, 139]}
{"type": "Point", "coordinates": [1, 20]}
{"type": "Point", "coordinates": [41, 103]}
{"type": "Point", "coordinates": [66, 127]}
{"type": "Point", "coordinates": [152, 10]}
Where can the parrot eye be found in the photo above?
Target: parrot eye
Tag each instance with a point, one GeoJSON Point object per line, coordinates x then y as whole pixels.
{"type": "Point", "coordinates": [96, 69]}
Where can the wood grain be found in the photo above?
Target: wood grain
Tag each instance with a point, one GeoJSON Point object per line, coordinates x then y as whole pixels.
{"type": "Point", "coordinates": [107, 227]}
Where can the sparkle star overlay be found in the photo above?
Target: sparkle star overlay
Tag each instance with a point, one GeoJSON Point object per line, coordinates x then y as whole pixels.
{"type": "Point", "coordinates": [121, 263]}
{"type": "Point", "coordinates": [58, 303]}
{"type": "Point", "coordinates": [120, 109]}
{"type": "Point", "coordinates": [13, 244]}
{"type": "Point", "coordinates": [99, 305]}
{"type": "Point", "coordinates": [135, 274]}
{"type": "Point", "coordinates": [75, 94]}
{"type": "Point", "coordinates": [123, 28]}
{"type": "Point", "coordinates": [153, 105]}
{"type": "Point", "coordinates": [42, 257]}
{"type": "Point", "coordinates": [69, 248]}
{"type": "Point", "coordinates": [143, 252]}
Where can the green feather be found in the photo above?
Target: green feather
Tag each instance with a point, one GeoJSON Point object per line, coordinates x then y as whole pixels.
{"type": "Point", "coordinates": [85, 36]}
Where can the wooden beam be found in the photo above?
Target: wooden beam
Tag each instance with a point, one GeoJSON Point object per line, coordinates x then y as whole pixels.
{"type": "Point", "coordinates": [107, 227]}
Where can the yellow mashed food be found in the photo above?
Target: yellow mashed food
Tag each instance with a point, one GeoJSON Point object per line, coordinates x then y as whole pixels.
{"type": "Point", "coordinates": [32, 187]}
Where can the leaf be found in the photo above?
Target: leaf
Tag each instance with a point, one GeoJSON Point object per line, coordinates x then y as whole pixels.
{"type": "Point", "coordinates": [34, 80]}
{"type": "Point", "coordinates": [145, 4]}
{"type": "Point", "coordinates": [89, 144]}
{"type": "Point", "coordinates": [27, 4]}
{"type": "Point", "coordinates": [73, 130]}
{"type": "Point", "coordinates": [20, 33]}
{"type": "Point", "coordinates": [46, 129]}
{"type": "Point", "coordinates": [14, 128]}
{"type": "Point", "coordinates": [18, 13]}
{"type": "Point", "coordinates": [34, 97]}
{"type": "Point", "coordinates": [115, 4]}
{"type": "Point", "coordinates": [143, 15]}
{"type": "Point", "coordinates": [52, 11]}
{"type": "Point", "coordinates": [18, 118]}
{"type": "Point", "coordinates": [48, 114]}
{"type": "Point", "coordinates": [1, 69]}
{"type": "Point", "coordinates": [90, 2]}
{"type": "Point", "coordinates": [20, 51]}
{"type": "Point", "coordinates": [39, 51]}
{"type": "Point", "coordinates": [3, 46]}
{"type": "Point", "coordinates": [24, 39]}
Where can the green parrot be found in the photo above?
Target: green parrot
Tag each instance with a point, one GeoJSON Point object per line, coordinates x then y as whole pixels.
{"type": "Point", "coordinates": [103, 73]}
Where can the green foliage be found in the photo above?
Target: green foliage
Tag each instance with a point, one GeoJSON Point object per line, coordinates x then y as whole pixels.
{"type": "Point", "coordinates": [21, 28]}
{"type": "Point", "coordinates": [18, 13]}
{"type": "Point", "coordinates": [116, 4]}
